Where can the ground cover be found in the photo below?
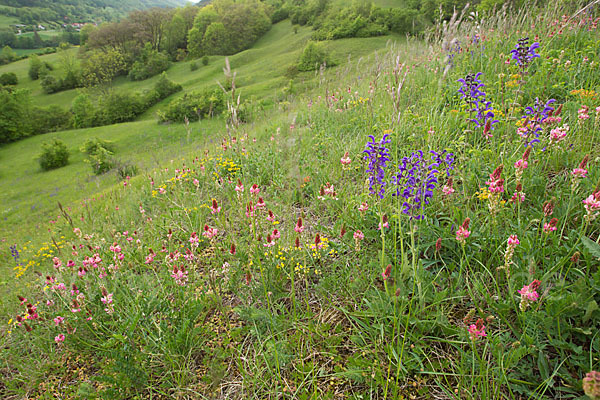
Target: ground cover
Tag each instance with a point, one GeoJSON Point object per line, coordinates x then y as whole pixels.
{"type": "Point", "coordinates": [451, 254]}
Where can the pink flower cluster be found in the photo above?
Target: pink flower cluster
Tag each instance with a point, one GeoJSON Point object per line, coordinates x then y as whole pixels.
{"type": "Point", "coordinates": [477, 330]}
{"type": "Point", "coordinates": [529, 294]}
{"type": "Point", "coordinates": [463, 231]}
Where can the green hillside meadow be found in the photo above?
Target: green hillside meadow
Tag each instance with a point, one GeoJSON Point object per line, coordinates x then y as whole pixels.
{"type": "Point", "coordinates": [419, 218]}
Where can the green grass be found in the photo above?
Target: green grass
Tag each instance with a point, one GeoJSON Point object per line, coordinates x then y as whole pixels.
{"type": "Point", "coordinates": [26, 52]}
{"type": "Point", "coordinates": [323, 312]}
{"type": "Point", "coordinates": [6, 21]}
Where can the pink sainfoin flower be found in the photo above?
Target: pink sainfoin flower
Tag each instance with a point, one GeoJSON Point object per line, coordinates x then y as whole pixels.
{"type": "Point", "coordinates": [592, 206]}
{"type": "Point", "coordinates": [180, 275]}
{"type": "Point", "coordinates": [463, 231]}
{"type": "Point", "coordinates": [260, 203]}
{"type": "Point", "coordinates": [270, 241]}
{"type": "Point", "coordinates": [496, 183]}
{"type": "Point", "coordinates": [215, 209]}
{"type": "Point", "coordinates": [529, 294]}
{"type": "Point", "coordinates": [387, 273]}
{"type": "Point", "coordinates": [557, 135]}
{"type": "Point", "coordinates": [150, 257]}
{"type": "Point", "coordinates": [345, 160]}
{"type": "Point", "coordinates": [384, 222]}
{"type": "Point", "coordinates": [255, 189]}
{"type": "Point", "coordinates": [196, 182]}
{"type": "Point", "coordinates": [59, 320]}
{"type": "Point", "coordinates": [591, 385]}
{"type": "Point", "coordinates": [239, 187]}
{"type": "Point", "coordinates": [57, 262]}
{"type": "Point", "coordinates": [107, 300]}
{"type": "Point", "coordinates": [81, 272]}
{"type": "Point", "coordinates": [59, 338]}
{"type": "Point", "coordinates": [448, 188]}
{"type": "Point", "coordinates": [299, 227]}
{"type": "Point", "coordinates": [22, 299]}
{"type": "Point", "coordinates": [579, 173]}
{"type": "Point", "coordinates": [194, 240]}
{"type": "Point", "coordinates": [358, 237]}
{"type": "Point", "coordinates": [276, 234]}
{"type": "Point", "coordinates": [512, 243]}
{"type": "Point", "coordinates": [519, 195]}
{"type": "Point", "coordinates": [363, 207]}
{"type": "Point", "coordinates": [477, 330]}
{"type": "Point", "coordinates": [550, 226]}
{"type": "Point", "coordinates": [209, 233]}
{"type": "Point", "coordinates": [583, 113]}
{"type": "Point", "coordinates": [250, 210]}
{"type": "Point", "coordinates": [271, 216]}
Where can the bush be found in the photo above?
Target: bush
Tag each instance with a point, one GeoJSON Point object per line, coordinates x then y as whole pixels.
{"type": "Point", "coordinates": [37, 68]}
{"type": "Point", "coordinates": [165, 87]}
{"type": "Point", "coordinates": [194, 106]}
{"type": "Point", "coordinates": [50, 84]}
{"type": "Point", "coordinates": [9, 78]}
{"type": "Point", "coordinates": [150, 63]}
{"type": "Point", "coordinates": [50, 119]}
{"type": "Point", "coordinates": [205, 60]}
{"type": "Point", "coordinates": [92, 146]}
{"type": "Point", "coordinates": [54, 155]}
{"type": "Point", "coordinates": [100, 155]}
{"type": "Point", "coordinates": [126, 169]}
{"type": "Point", "coordinates": [312, 57]}
{"type": "Point", "coordinates": [120, 107]}
{"type": "Point", "coordinates": [85, 113]}
{"type": "Point", "coordinates": [193, 66]}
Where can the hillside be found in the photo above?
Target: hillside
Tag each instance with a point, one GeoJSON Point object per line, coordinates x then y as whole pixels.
{"type": "Point", "coordinates": [76, 11]}
{"type": "Point", "coordinates": [413, 218]}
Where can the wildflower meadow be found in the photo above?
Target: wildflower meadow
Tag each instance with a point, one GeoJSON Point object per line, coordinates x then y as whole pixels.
{"type": "Point", "coordinates": [423, 224]}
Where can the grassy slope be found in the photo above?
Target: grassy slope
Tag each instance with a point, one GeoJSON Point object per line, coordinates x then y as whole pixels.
{"type": "Point", "coordinates": [27, 194]}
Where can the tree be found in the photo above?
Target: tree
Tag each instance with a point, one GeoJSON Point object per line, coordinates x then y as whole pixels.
{"type": "Point", "coordinates": [151, 24]}
{"type": "Point", "coordinates": [216, 39]}
{"type": "Point", "coordinates": [14, 111]}
{"type": "Point", "coordinates": [8, 55]}
{"type": "Point", "coordinates": [204, 18]}
{"type": "Point", "coordinates": [85, 32]}
{"type": "Point", "coordinates": [101, 67]}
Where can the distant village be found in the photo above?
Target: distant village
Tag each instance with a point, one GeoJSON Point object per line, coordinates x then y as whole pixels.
{"type": "Point", "coordinates": [75, 27]}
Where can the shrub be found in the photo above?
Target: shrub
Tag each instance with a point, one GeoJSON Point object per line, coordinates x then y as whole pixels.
{"type": "Point", "coordinates": [120, 107]}
{"type": "Point", "coordinates": [194, 105]}
{"type": "Point", "coordinates": [126, 169]}
{"type": "Point", "coordinates": [151, 63]}
{"type": "Point", "coordinates": [193, 66]}
{"type": "Point", "coordinates": [205, 60]}
{"type": "Point", "coordinates": [91, 146]}
{"type": "Point", "coordinates": [9, 78]}
{"type": "Point", "coordinates": [101, 161]}
{"type": "Point", "coordinates": [50, 84]}
{"type": "Point", "coordinates": [50, 119]}
{"type": "Point", "coordinates": [312, 57]}
{"type": "Point", "coordinates": [54, 155]}
{"type": "Point", "coordinates": [85, 113]}
{"type": "Point", "coordinates": [165, 87]}
{"type": "Point", "coordinates": [100, 155]}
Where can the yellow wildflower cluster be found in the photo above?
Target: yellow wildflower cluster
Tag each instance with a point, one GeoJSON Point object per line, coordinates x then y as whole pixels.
{"type": "Point", "coordinates": [515, 80]}
{"type": "Point", "coordinates": [45, 252]}
{"type": "Point", "coordinates": [358, 102]}
{"type": "Point", "coordinates": [585, 94]}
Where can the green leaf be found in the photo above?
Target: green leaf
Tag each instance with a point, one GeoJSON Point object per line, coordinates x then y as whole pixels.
{"type": "Point", "coordinates": [593, 247]}
{"type": "Point", "coordinates": [589, 310]}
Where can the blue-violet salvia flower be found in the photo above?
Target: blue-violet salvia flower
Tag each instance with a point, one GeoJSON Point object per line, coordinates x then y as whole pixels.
{"type": "Point", "coordinates": [534, 118]}
{"type": "Point", "coordinates": [418, 178]}
{"type": "Point", "coordinates": [523, 54]}
{"type": "Point", "coordinates": [471, 91]}
{"type": "Point", "coordinates": [378, 156]}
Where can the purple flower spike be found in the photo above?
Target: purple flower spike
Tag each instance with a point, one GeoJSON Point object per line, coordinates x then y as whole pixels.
{"type": "Point", "coordinates": [378, 156]}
